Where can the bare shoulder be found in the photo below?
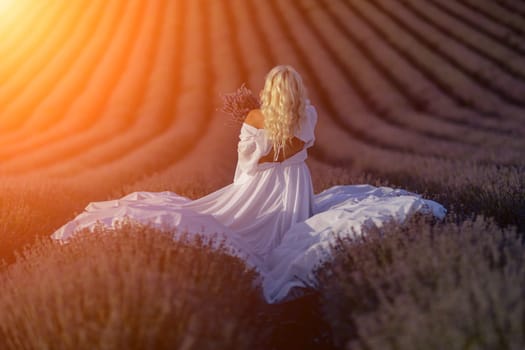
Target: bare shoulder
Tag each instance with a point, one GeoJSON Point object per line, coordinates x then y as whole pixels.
{"type": "Point", "coordinates": [255, 118]}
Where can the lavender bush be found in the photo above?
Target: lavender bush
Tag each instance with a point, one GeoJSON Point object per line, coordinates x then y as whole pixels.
{"type": "Point", "coordinates": [424, 286]}
{"type": "Point", "coordinates": [128, 288]}
{"type": "Point", "coordinates": [239, 103]}
{"type": "Point", "coordinates": [457, 282]}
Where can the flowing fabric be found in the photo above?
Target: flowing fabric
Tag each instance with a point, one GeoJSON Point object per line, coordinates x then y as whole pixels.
{"type": "Point", "coordinates": [269, 216]}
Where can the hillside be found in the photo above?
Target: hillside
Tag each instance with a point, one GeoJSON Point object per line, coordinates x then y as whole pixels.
{"type": "Point", "coordinates": [101, 98]}
{"type": "Point", "coordinates": [115, 91]}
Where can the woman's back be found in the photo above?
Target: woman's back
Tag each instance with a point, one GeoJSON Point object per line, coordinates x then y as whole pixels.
{"type": "Point", "coordinates": [256, 118]}
{"type": "Point", "coordinates": [255, 149]}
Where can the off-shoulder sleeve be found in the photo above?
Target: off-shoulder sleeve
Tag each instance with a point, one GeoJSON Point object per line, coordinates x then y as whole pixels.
{"type": "Point", "coordinates": [307, 126]}
{"type": "Point", "coordinates": [253, 144]}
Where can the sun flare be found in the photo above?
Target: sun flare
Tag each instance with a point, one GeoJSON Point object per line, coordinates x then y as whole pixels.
{"type": "Point", "coordinates": [6, 4]}
{"type": "Point", "coordinates": [40, 41]}
{"type": "Point", "coordinates": [12, 10]}
{"type": "Point", "coordinates": [11, 15]}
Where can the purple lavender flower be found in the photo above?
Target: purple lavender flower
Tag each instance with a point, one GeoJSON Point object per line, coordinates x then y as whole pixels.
{"type": "Point", "coordinates": [239, 103]}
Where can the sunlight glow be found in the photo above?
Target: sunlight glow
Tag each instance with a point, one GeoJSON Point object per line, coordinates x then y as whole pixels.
{"type": "Point", "coordinates": [39, 40]}
{"type": "Point", "coordinates": [6, 4]}
{"type": "Point", "coordinates": [11, 14]}
{"type": "Point", "coordinates": [73, 72]}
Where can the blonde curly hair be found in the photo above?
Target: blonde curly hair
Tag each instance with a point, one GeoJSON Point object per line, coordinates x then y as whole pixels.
{"type": "Point", "coordinates": [283, 103]}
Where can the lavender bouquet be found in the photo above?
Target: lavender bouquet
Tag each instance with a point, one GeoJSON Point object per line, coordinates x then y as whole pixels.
{"type": "Point", "coordinates": [239, 103]}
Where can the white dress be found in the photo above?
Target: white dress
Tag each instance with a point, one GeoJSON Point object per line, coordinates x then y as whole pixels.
{"type": "Point", "coordinates": [269, 216]}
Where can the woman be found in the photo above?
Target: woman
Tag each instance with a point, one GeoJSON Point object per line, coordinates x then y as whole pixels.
{"type": "Point", "coordinates": [272, 188]}
{"type": "Point", "coordinates": [269, 215]}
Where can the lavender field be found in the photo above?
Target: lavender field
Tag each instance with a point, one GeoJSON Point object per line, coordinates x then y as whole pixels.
{"type": "Point", "coordinates": [102, 98]}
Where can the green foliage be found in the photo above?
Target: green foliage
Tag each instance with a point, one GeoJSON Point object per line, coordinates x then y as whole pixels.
{"type": "Point", "coordinates": [425, 286]}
